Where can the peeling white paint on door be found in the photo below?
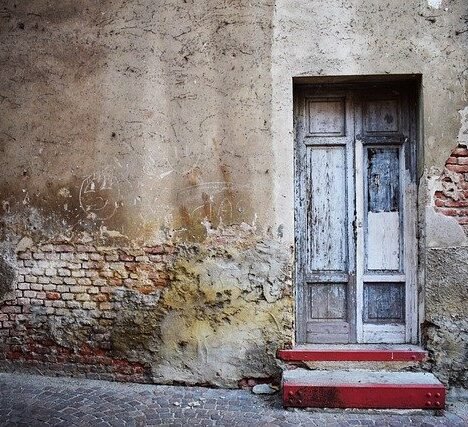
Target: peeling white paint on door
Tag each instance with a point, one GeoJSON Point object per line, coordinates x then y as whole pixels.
{"type": "Point", "coordinates": [434, 4]}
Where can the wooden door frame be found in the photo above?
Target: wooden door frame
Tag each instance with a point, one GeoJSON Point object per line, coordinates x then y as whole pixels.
{"type": "Point", "coordinates": [412, 308]}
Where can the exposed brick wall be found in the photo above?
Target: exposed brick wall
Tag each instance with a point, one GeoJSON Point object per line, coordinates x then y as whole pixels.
{"type": "Point", "coordinates": [86, 284]}
{"type": "Point", "coordinates": [452, 200]}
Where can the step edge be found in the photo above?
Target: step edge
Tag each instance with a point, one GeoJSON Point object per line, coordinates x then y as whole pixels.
{"type": "Point", "coordinates": [366, 385]}
{"type": "Point", "coordinates": [352, 355]}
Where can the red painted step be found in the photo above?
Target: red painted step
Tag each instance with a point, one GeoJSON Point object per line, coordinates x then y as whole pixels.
{"type": "Point", "coordinates": [362, 389]}
{"type": "Point", "coordinates": [356, 353]}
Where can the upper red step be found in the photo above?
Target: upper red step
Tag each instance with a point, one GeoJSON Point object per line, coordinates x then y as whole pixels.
{"type": "Point", "coordinates": [353, 353]}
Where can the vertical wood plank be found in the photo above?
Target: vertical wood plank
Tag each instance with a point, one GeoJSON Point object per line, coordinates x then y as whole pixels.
{"type": "Point", "coordinates": [326, 213]}
{"type": "Point", "coordinates": [360, 258]}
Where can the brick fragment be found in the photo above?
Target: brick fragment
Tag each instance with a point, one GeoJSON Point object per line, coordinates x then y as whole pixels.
{"type": "Point", "coordinates": [105, 306]}
{"type": "Point", "coordinates": [52, 295]}
{"type": "Point", "coordinates": [30, 294]}
{"type": "Point", "coordinates": [64, 272]}
{"type": "Point", "coordinates": [50, 272]}
{"type": "Point", "coordinates": [460, 151]}
{"type": "Point", "coordinates": [458, 168]}
{"type": "Point", "coordinates": [11, 309]}
{"type": "Point", "coordinates": [89, 305]}
{"type": "Point", "coordinates": [85, 248]}
{"type": "Point", "coordinates": [73, 304]}
{"type": "Point", "coordinates": [77, 273]}
{"type": "Point", "coordinates": [64, 248]}
{"type": "Point", "coordinates": [125, 257]}
{"type": "Point", "coordinates": [24, 255]}
{"type": "Point", "coordinates": [58, 304]}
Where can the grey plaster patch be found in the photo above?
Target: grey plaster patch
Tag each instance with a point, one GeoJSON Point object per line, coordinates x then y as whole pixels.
{"type": "Point", "coordinates": [443, 231]}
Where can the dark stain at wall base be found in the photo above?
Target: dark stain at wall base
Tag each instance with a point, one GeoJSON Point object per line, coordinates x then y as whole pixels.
{"type": "Point", "coordinates": [7, 278]}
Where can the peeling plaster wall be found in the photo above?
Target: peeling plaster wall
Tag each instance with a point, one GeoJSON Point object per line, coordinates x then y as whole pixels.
{"type": "Point", "coordinates": [128, 125]}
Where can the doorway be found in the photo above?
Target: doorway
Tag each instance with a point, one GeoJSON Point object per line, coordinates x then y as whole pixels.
{"type": "Point", "coordinates": [356, 213]}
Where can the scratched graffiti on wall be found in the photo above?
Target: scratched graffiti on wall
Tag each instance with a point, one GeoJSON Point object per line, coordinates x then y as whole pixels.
{"type": "Point", "coordinates": [98, 196]}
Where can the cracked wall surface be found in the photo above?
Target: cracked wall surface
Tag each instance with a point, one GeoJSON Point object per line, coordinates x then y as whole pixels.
{"type": "Point", "coordinates": [147, 200]}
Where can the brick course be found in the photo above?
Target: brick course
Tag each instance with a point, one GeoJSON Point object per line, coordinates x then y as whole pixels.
{"type": "Point", "coordinates": [452, 200]}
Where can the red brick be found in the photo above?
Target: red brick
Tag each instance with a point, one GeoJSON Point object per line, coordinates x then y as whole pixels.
{"type": "Point", "coordinates": [450, 211]}
{"type": "Point", "coordinates": [462, 160]}
{"type": "Point", "coordinates": [155, 250]}
{"type": "Point", "coordinates": [456, 203]}
{"type": "Point", "coordinates": [460, 151]}
{"type": "Point", "coordinates": [100, 298]}
{"type": "Point", "coordinates": [451, 161]}
{"type": "Point", "coordinates": [125, 257]}
{"type": "Point", "coordinates": [53, 295]}
{"type": "Point", "coordinates": [457, 168]}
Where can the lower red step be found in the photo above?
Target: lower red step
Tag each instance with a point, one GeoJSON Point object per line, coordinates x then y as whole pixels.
{"type": "Point", "coordinates": [362, 389]}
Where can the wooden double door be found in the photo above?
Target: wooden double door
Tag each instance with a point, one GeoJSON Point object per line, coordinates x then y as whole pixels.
{"type": "Point", "coordinates": [356, 246]}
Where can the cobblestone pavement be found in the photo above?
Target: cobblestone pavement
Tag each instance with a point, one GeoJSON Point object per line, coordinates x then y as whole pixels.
{"type": "Point", "coordinates": [32, 400]}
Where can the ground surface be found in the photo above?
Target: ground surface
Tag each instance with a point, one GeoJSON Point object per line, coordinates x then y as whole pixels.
{"type": "Point", "coordinates": [36, 400]}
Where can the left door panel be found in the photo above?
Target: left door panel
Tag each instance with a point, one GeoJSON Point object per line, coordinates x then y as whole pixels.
{"type": "Point", "coordinates": [324, 213]}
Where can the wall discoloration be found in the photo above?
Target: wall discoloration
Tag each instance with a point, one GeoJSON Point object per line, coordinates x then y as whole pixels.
{"type": "Point", "coordinates": [152, 116]}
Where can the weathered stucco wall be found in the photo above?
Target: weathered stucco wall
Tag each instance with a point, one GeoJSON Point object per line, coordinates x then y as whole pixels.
{"type": "Point", "coordinates": [156, 138]}
{"type": "Point", "coordinates": [131, 124]}
{"type": "Point", "coordinates": [364, 37]}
